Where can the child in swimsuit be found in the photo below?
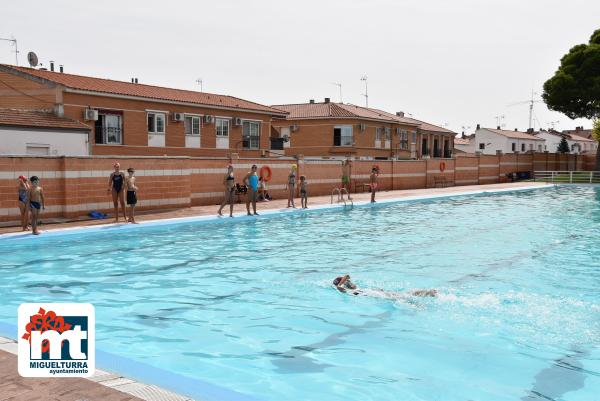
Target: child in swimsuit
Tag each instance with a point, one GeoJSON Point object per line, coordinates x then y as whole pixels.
{"type": "Point", "coordinates": [229, 184]}
{"type": "Point", "coordinates": [23, 190]}
{"type": "Point", "coordinates": [131, 194]}
{"type": "Point", "coordinates": [374, 184]}
{"type": "Point", "coordinates": [303, 193]}
{"type": "Point", "coordinates": [116, 183]}
{"type": "Point", "coordinates": [35, 203]}
{"type": "Point", "coordinates": [291, 186]}
{"type": "Point", "coordinates": [251, 181]}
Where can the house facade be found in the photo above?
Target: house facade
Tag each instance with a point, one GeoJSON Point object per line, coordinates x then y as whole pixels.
{"type": "Point", "coordinates": [24, 132]}
{"type": "Point", "coordinates": [129, 118]}
{"type": "Point", "coordinates": [577, 144]}
{"type": "Point", "coordinates": [489, 141]}
{"type": "Point", "coordinates": [338, 130]}
{"type": "Point", "coordinates": [464, 144]}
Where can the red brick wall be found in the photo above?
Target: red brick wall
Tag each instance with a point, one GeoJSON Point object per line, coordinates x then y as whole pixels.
{"type": "Point", "coordinates": [21, 93]}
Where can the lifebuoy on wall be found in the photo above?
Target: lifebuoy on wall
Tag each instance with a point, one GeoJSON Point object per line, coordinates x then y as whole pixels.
{"type": "Point", "coordinates": [266, 173]}
{"type": "Point", "coordinates": [442, 166]}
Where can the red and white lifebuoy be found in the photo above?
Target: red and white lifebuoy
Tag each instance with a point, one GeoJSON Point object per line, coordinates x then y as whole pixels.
{"type": "Point", "coordinates": [442, 166]}
{"type": "Point", "coordinates": [266, 173]}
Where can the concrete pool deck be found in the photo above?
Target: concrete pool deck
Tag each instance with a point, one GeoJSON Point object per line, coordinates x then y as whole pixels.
{"type": "Point", "coordinates": [211, 210]}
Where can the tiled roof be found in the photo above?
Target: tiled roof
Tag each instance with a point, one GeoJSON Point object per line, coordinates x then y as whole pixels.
{"type": "Point", "coordinates": [580, 138]}
{"type": "Point", "coordinates": [144, 91]}
{"type": "Point", "coordinates": [460, 141]}
{"type": "Point", "coordinates": [586, 133]}
{"type": "Point", "coordinates": [514, 134]}
{"type": "Point", "coordinates": [339, 110]}
{"type": "Point", "coordinates": [38, 119]}
{"type": "Point", "coordinates": [433, 128]}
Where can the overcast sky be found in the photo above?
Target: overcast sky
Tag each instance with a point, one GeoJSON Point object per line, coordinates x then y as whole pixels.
{"type": "Point", "coordinates": [458, 62]}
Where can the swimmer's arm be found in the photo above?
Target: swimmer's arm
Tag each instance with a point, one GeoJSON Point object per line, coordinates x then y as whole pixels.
{"type": "Point", "coordinates": [340, 289]}
{"type": "Point", "coordinates": [110, 181]}
{"type": "Point", "coordinates": [42, 198]}
{"type": "Point", "coordinates": [245, 180]}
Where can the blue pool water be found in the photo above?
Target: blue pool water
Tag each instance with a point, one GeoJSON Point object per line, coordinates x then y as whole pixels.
{"type": "Point", "coordinates": [249, 306]}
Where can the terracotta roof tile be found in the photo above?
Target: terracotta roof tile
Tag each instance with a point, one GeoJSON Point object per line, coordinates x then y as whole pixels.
{"type": "Point", "coordinates": [144, 91]}
{"type": "Point", "coordinates": [514, 134]}
{"type": "Point", "coordinates": [37, 119]}
{"type": "Point", "coordinates": [461, 141]}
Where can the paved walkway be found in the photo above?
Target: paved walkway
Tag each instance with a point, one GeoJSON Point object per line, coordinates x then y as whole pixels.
{"type": "Point", "coordinates": [280, 204]}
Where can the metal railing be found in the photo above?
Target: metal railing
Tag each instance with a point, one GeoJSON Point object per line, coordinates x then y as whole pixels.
{"type": "Point", "coordinates": [340, 194]}
{"type": "Point", "coordinates": [568, 177]}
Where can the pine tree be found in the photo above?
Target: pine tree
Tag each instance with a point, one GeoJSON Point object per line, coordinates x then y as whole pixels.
{"type": "Point", "coordinates": [563, 146]}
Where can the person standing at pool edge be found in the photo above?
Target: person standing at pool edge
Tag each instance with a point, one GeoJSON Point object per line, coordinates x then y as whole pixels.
{"type": "Point", "coordinates": [23, 190]}
{"type": "Point", "coordinates": [251, 181]}
{"type": "Point", "coordinates": [35, 203]}
{"type": "Point", "coordinates": [303, 193]}
{"type": "Point", "coordinates": [229, 184]}
{"type": "Point", "coordinates": [131, 194]}
{"type": "Point", "coordinates": [115, 186]}
{"type": "Point", "coordinates": [373, 182]}
{"type": "Point", "coordinates": [291, 186]}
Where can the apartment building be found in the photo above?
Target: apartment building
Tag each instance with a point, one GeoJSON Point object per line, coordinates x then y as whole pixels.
{"type": "Point", "coordinates": [338, 130]}
{"type": "Point", "coordinates": [130, 118]}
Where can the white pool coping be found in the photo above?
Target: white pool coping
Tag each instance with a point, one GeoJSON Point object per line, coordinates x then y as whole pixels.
{"type": "Point", "coordinates": [265, 213]}
{"type": "Point", "coordinates": [147, 392]}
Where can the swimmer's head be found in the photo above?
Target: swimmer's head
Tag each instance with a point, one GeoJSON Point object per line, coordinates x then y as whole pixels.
{"type": "Point", "coordinates": [294, 167]}
{"type": "Point", "coordinates": [230, 167]}
{"type": "Point", "coordinates": [254, 167]}
{"type": "Point", "coordinates": [116, 166]}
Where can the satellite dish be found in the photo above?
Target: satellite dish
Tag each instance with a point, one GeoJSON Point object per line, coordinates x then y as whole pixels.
{"type": "Point", "coordinates": [33, 59]}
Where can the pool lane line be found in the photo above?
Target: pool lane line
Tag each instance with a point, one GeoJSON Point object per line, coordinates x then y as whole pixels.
{"type": "Point", "coordinates": [165, 385]}
{"type": "Point", "coordinates": [268, 213]}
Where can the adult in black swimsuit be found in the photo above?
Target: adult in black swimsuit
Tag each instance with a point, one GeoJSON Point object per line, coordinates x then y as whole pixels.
{"type": "Point", "coordinates": [116, 184]}
{"type": "Point", "coordinates": [229, 184]}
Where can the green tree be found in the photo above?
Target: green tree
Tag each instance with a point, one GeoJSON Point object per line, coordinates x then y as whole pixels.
{"type": "Point", "coordinates": [563, 146]}
{"type": "Point", "coordinates": [575, 87]}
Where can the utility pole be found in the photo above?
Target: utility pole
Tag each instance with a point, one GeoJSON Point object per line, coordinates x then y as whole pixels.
{"type": "Point", "coordinates": [199, 82]}
{"type": "Point", "coordinates": [14, 43]}
{"type": "Point", "coordinates": [366, 94]}
{"type": "Point", "coordinates": [531, 109]}
{"type": "Point", "coordinates": [339, 85]}
{"type": "Point", "coordinates": [499, 120]}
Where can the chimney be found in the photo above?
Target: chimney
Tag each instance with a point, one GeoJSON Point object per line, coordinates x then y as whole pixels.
{"type": "Point", "coordinates": [577, 129]}
{"type": "Point", "coordinates": [327, 100]}
{"type": "Point", "coordinates": [497, 127]}
{"type": "Point", "coordinates": [400, 113]}
{"type": "Point", "coordinates": [530, 130]}
{"type": "Point", "coordinates": [478, 127]}
{"type": "Point", "coordinates": [61, 68]}
{"type": "Point", "coordinates": [51, 65]}
{"type": "Point", "coordinates": [516, 130]}
{"type": "Point", "coordinates": [136, 80]}
{"type": "Point", "coordinates": [132, 80]}
{"type": "Point", "coordinates": [311, 101]}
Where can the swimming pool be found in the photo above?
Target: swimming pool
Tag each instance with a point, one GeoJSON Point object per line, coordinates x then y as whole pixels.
{"type": "Point", "coordinates": [249, 306]}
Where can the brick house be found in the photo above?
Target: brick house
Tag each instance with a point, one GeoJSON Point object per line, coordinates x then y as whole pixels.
{"type": "Point", "coordinates": [129, 118]}
{"type": "Point", "coordinates": [339, 130]}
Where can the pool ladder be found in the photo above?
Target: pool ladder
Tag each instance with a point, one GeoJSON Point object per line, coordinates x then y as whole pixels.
{"type": "Point", "coordinates": [340, 196]}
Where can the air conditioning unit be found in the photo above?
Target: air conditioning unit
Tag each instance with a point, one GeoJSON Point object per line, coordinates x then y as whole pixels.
{"type": "Point", "coordinates": [237, 121]}
{"type": "Point", "coordinates": [90, 115]}
{"type": "Point", "coordinates": [362, 127]}
{"type": "Point", "coordinates": [293, 128]}
{"type": "Point", "coordinates": [208, 119]}
{"type": "Point", "coordinates": [177, 116]}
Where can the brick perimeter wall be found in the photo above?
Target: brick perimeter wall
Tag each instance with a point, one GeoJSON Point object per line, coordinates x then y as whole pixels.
{"type": "Point", "coordinates": [74, 186]}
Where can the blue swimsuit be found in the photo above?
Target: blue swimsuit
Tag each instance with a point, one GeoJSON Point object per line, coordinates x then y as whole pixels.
{"type": "Point", "coordinates": [253, 181]}
{"type": "Point", "coordinates": [23, 195]}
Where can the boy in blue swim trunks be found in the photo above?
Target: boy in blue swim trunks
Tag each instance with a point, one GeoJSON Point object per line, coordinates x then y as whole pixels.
{"type": "Point", "coordinates": [251, 181]}
{"type": "Point", "coordinates": [35, 202]}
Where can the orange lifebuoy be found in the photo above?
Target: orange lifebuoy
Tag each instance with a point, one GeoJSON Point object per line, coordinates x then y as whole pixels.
{"type": "Point", "coordinates": [442, 166]}
{"type": "Point", "coordinates": [266, 177]}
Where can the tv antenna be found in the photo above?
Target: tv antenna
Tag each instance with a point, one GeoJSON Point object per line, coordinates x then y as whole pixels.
{"type": "Point", "coordinates": [13, 42]}
{"type": "Point", "coordinates": [499, 120]}
{"type": "Point", "coordinates": [199, 82]}
{"type": "Point", "coordinates": [32, 58]}
{"type": "Point", "coordinates": [366, 94]}
{"type": "Point", "coordinates": [465, 128]}
{"type": "Point", "coordinates": [339, 85]}
{"type": "Point", "coordinates": [531, 103]}
{"type": "Point", "coordinates": [553, 124]}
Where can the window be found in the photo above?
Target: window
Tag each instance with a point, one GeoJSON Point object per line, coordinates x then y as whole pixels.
{"type": "Point", "coordinates": [342, 135]}
{"type": "Point", "coordinates": [481, 146]}
{"type": "Point", "coordinates": [522, 147]}
{"type": "Point", "coordinates": [222, 127]}
{"type": "Point", "coordinates": [388, 134]}
{"type": "Point", "coordinates": [156, 123]}
{"type": "Point", "coordinates": [37, 149]}
{"type": "Point", "coordinates": [108, 128]}
{"type": "Point", "coordinates": [192, 125]}
{"type": "Point", "coordinates": [514, 146]}
{"type": "Point", "coordinates": [531, 146]}
{"type": "Point", "coordinates": [539, 148]}
{"type": "Point", "coordinates": [251, 133]}
{"type": "Point", "coordinates": [379, 133]}
{"type": "Point", "coordinates": [403, 140]}
{"type": "Point", "coordinates": [414, 137]}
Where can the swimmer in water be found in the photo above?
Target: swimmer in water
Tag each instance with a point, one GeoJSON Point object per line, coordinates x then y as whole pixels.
{"type": "Point", "coordinates": [345, 285]}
